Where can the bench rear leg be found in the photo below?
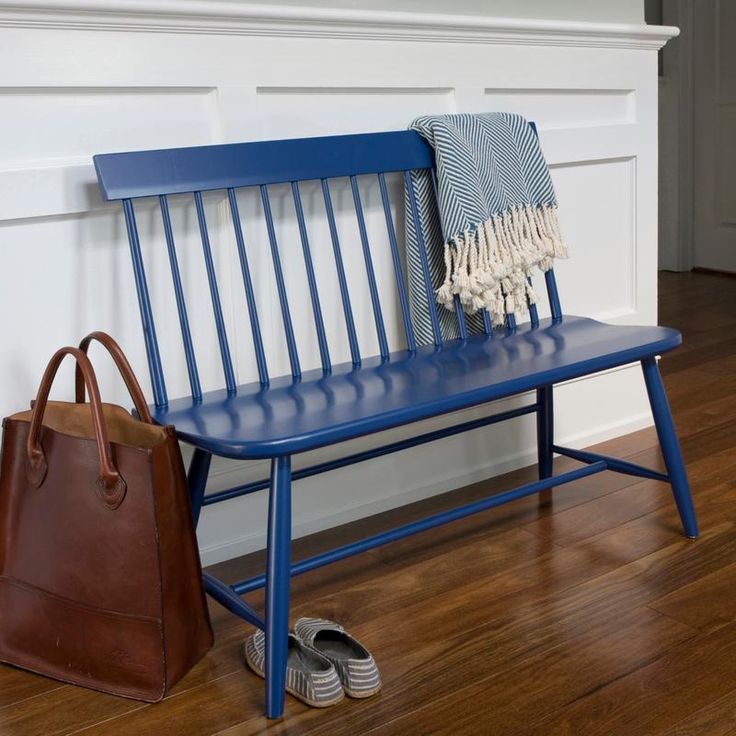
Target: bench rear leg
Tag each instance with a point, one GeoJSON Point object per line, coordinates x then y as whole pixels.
{"type": "Point", "coordinates": [545, 431]}
{"type": "Point", "coordinates": [277, 584]}
{"type": "Point", "coordinates": [199, 468]}
{"type": "Point", "coordinates": [670, 446]}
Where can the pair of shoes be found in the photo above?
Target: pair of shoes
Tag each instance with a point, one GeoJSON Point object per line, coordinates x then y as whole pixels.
{"type": "Point", "coordinates": [323, 663]}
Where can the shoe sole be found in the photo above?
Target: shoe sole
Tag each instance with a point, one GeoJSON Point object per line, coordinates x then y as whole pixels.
{"type": "Point", "coordinates": [294, 693]}
{"type": "Point", "coordinates": [360, 694]}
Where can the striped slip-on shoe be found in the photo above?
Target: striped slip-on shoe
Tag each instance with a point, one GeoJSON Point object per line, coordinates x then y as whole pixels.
{"type": "Point", "coordinates": [310, 677]}
{"type": "Point", "coordinates": [354, 663]}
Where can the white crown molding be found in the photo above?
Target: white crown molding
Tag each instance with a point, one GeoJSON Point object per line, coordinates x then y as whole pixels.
{"type": "Point", "coordinates": [231, 17]}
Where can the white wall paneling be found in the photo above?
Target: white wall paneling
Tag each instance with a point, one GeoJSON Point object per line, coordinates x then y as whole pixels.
{"type": "Point", "coordinates": [75, 80]}
{"type": "Point", "coordinates": [568, 108]}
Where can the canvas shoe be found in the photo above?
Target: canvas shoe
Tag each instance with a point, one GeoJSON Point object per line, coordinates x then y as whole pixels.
{"type": "Point", "coordinates": [310, 677]}
{"type": "Point", "coordinates": [354, 663]}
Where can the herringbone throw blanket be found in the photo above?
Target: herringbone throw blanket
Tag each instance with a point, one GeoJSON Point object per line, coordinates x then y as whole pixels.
{"type": "Point", "coordinates": [490, 221]}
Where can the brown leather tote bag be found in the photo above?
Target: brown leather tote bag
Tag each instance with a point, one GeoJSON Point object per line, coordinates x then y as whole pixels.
{"type": "Point", "coordinates": [100, 580]}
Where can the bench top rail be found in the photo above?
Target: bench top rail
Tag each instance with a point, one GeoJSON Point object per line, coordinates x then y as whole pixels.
{"type": "Point", "coordinates": [234, 165]}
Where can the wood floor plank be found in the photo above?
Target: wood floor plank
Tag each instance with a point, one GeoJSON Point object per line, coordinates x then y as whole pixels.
{"type": "Point", "coordinates": [505, 694]}
{"type": "Point", "coordinates": [17, 685]}
{"type": "Point", "coordinates": [583, 665]}
{"type": "Point", "coordinates": [656, 697]}
{"type": "Point", "coordinates": [706, 603]}
{"type": "Point", "coordinates": [715, 719]}
{"type": "Point", "coordinates": [62, 710]}
{"type": "Point", "coordinates": [723, 367]}
{"type": "Point", "coordinates": [202, 710]}
{"type": "Point", "coordinates": [598, 515]}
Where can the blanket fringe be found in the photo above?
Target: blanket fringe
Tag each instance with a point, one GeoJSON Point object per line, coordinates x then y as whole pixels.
{"type": "Point", "coordinates": [490, 266]}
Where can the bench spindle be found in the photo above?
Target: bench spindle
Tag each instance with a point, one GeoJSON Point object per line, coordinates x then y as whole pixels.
{"type": "Point", "coordinates": [181, 307]}
{"type": "Point", "coordinates": [296, 370]}
{"type": "Point", "coordinates": [411, 342]}
{"type": "Point", "coordinates": [255, 326]}
{"type": "Point", "coordinates": [533, 311]}
{"type": "Point", "coordinates": [227, 363]}
{"type": "Point", "coordinates": [144, 303]}
{"type": "Point", "coordinates": [460, 316]}
{"type": "Point", "coordinates": [554, 297]}
{"type": "Point", "coordinates": [372, 287]}
{"type": "Point", "coordinates": [342, 280]}
{"type": "Point", "coordinates": [319, 323]}
{"type": "Point", "coordinates": [487, 323]}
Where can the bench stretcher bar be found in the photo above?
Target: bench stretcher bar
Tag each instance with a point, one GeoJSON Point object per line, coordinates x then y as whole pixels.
{"type": "Point", "coordinates": [430, 522]}
{"type": "Point", "coordinates": [358, 457]}
{"type": "Point", "coordinates": [229, 595]}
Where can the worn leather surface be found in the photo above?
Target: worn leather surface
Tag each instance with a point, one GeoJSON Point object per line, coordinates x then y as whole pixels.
{"type": "Point", "coordinates": [101, 595]}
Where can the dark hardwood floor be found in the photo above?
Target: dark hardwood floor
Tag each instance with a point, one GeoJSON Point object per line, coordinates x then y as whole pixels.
{"type": "Point", "coordinates": [590, 615]}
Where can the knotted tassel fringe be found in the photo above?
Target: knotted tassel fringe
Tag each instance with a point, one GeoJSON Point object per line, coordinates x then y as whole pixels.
{"type": "Point", "coordinates": [490, 266]}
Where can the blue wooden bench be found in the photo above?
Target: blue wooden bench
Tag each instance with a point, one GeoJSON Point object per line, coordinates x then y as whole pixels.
{"type": "Point", "coordinates": [278, 417]}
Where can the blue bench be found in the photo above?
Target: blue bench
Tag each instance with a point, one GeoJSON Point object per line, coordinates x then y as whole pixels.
{"type": "Point", "coordinates": [278, 417]}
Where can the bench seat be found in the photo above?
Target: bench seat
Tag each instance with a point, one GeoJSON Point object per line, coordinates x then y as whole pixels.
{"type": "Point", "coordinates": [287, 417]}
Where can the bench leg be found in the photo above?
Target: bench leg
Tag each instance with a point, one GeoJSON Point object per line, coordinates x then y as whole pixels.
{"type": "Point", "coordinates": [199, 468]}
{"type": "Point", "coordinates": [545, 431]}
{"type": "Point", "coordinates": [277, 584]}
{"type": "Point", "coordinates": [670, 446]}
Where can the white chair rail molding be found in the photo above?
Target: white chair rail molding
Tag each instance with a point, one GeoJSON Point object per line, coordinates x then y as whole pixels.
{"type": "Point", "coordinates": [79, 77]}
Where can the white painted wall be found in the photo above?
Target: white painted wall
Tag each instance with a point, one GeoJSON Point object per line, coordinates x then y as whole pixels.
{"type": "Point", "coordinates": [697, 139]}
{"type": "Point", "coordinates": [714, 135]}
{"type": "Point", "coordinates": [76, 79]}
{"type": "Point", "coordinates": [676, 186]}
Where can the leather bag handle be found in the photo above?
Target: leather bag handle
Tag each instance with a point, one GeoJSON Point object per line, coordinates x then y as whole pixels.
{"type": "Point", "coordinates": [110, 483]}
{"type": "Point", "coordinates": [134, 388]}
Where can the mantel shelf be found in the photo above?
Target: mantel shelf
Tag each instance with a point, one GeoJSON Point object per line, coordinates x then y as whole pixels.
{"type": "Point", "coordinates": [230, 18]}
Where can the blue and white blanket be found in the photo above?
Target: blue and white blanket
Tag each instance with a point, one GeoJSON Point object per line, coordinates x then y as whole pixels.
{"type": "Point", "coordinates": [491, 220]}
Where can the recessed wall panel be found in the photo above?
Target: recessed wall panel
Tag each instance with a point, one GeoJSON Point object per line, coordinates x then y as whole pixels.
{"type": "Point", "coordinates": [303, 111]}
{"type": "Point", "coordinates": [65, 122]}
{"type": "Point", "coordinates": [597, 214]}
{"type": "Point", "coordinates": [566, 108]}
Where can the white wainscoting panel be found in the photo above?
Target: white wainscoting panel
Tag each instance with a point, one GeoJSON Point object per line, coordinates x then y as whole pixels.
{"type": "Point", "coordinates": [78, 77]}
{"type": "Point", "coordinates": [567, 107]}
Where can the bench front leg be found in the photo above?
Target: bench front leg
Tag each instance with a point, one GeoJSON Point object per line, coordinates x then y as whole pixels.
{"type": "Point", "coordinates": [670, 446]}
{"type": "Point", "coordinates": [278, 570]}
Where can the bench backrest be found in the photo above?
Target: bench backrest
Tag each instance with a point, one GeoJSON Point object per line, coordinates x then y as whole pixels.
{"type": "Point", "coordinates": [231, 167]}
